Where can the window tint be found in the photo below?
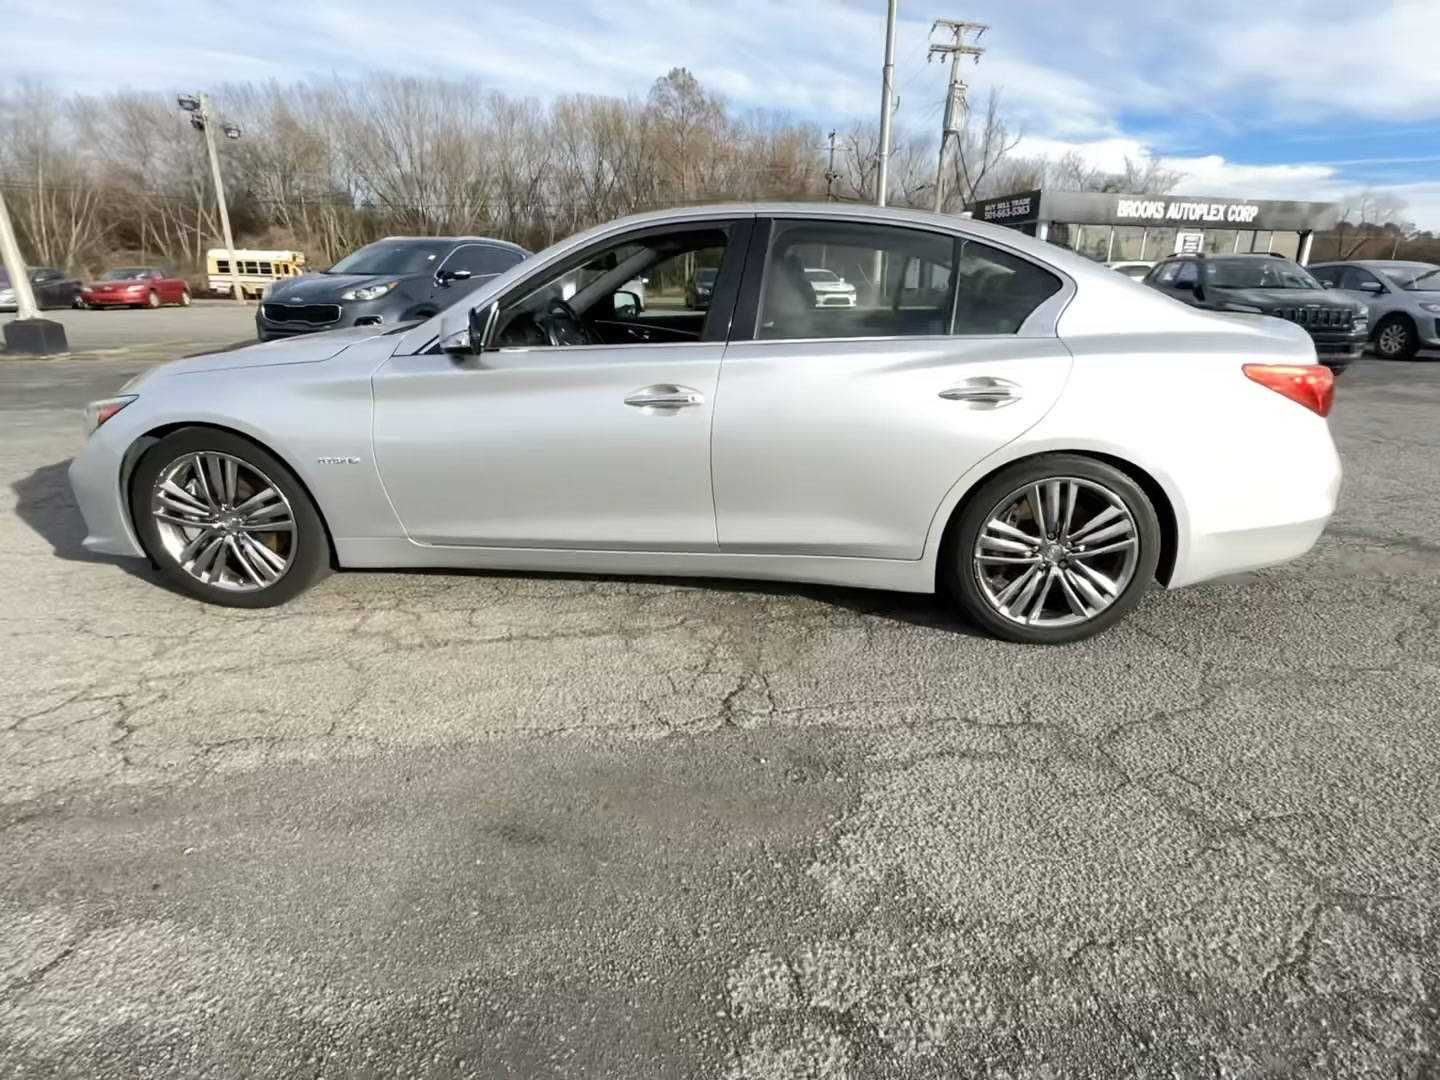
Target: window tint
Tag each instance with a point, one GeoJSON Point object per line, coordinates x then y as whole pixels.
{"type": "Point", "coordinates": [996, 291]}
{"type": "Point", "coordinates": [1187, 273]}
{"type": "Point", "coordinates": [1355, 276]}
{"type": "Point", "coordinates": [1327, 275]}
{"type": "Point", "coordinates": [887, 281]}
{"type": "Point", "coordinates": [1164, 274]}
{"type": "Point", "coordinates": [482, 259]}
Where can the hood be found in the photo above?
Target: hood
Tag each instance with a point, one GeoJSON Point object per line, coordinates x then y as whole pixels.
{"type": "Point", "coordinates": [303, 349]}
{"type": "Point", "coordinates": [326, 288]}
{"type": "Point", "coordinates": [1271, 298]}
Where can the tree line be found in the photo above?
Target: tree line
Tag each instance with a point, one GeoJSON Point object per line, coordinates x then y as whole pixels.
{"type": "Point", "coordinates": [327, 166]}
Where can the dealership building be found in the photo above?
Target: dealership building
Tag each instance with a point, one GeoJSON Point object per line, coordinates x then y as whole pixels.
{"type": "Point", "coordinates": [1111, 227]}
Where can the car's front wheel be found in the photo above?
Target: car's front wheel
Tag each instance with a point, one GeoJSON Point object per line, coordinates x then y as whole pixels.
{"type": "Point", "coordinates": [1053, 549]}
{"type": "Point", "coordinates": [1395, 339]}
{"type": "Point", "coordinates": [225, 521]}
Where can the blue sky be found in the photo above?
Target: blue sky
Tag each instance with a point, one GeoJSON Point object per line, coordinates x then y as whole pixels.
{"type": "Point", "coordinates": [1280, 98]}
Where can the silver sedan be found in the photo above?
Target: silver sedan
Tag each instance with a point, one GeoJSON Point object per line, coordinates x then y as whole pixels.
{"type": "Point", "coordinates": [1031, 434]}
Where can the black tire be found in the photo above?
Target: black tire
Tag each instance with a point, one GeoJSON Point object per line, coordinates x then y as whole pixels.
{"type": "Point", "coordinates": [310, 555]}
{"type": "Point", "coordinates": [959, 573]}
{"type": "Point", "coordinates": [1395, 339]}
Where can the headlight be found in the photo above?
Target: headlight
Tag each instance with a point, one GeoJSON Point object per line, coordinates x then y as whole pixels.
{"type": "Point", "coordinates": [97, 412]}
{"type": "Point", "coordinates": [1248, 309]}
{"type": "Point", "coordinates": [368, 292]}
{"type": "Point", "coordinates": [1432, 307]}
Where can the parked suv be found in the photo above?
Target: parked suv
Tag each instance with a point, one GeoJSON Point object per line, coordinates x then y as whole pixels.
{"type": "Point", "coordinates": [390, 281]}
{"type": "Point", "coordinates": [1403, 299]}
{"type": "Point", "coordinates": [1269, 285]}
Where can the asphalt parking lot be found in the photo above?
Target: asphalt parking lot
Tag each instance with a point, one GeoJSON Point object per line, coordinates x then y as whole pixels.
{"type": "Point", "coordinates": [491, 825]}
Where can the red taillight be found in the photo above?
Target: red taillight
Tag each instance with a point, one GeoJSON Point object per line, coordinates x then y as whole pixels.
{"type": "Point", "coordinates": [1312, 385]}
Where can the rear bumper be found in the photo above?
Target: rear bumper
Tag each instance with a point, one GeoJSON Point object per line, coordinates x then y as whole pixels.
{"type": "Point", "coordinates": [1224, 536]}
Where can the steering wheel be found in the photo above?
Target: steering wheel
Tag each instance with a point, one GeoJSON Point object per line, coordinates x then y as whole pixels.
{"type": "Point", "coordinates": [563, 326]}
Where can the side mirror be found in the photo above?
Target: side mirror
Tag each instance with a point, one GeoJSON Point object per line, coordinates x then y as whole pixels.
{"type": "Point", "coordinates": [627, 304]}
{"type": "Point", "coordinates": [466, 333]}
{"type": "Point", "coordinates": [1371, 287]}
{"type": "Point", "coordinates": [447, 276]}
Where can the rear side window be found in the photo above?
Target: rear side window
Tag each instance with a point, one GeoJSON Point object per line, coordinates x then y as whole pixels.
{"type": "Point", "coordinates": [997, 291]}
{"type": "Point", "coordinates": [837, 279]}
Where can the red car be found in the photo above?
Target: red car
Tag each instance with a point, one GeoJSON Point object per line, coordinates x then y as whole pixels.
{"type": "Point", "coordinates": [136, 286]}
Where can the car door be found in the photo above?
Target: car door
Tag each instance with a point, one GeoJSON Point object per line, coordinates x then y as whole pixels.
{"type": "Point", "coordinates": [1360, 284]}
{"type": "Point", "coordinates": [43, 284]}
{"type": "Point", "coordinates": [552, 441]}
{"type": "Point", "coordinates": [839, 430]}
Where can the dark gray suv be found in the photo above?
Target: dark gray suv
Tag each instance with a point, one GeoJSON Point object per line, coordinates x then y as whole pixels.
{"type": "Point", "coordinates": [398, 279]}
{"type": "Point", "coordinates": [1268, 285]}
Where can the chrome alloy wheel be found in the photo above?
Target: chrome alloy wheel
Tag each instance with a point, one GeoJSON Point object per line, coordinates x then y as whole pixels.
{"type": "Point", "coordinates": [223, 521]}
{"type": "Point", "coordinates": [1056, 552]}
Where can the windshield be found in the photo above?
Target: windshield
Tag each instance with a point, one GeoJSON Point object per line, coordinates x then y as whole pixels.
{"type": "Point", "coordinates": [1257, 274]}
{"type": "Point", "coordinates": [821, 275]}
{"type": "Point", "coordinates": [124, 274]}
{"type": "Point", "coordinates": [1414, 277]}
{"type": "Point", "coordinates": [394, 257]}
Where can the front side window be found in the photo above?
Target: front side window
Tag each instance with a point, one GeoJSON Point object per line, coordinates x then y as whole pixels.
{"type": "Point", "coordinates": [842, 279]}
{"type": "Point", "coordinates": [1327, 275]}
{"type": "Point", "coordinates": [633, 292]}
{"type": "Point", "coordinates": [1186, 273]}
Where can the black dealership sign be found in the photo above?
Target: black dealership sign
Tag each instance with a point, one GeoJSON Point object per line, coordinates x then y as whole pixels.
{"type": "Point", "coordinates": [1175, 211]}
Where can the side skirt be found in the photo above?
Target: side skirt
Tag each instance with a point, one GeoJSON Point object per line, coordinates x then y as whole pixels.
{"type": "Point", "coordinates": [898, 575]}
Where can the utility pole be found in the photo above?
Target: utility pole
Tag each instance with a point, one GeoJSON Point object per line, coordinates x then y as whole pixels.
{"type": "Point", "coordinates": [955, 103]}
{"type": "Point", "coordinates": [887, 94]}
{"type": "Point", "coordinates": [201, 117]}
{"type": "Point", "coordinates": [27, 333]}
{"type": "Point", "coordinates": [830, 174]}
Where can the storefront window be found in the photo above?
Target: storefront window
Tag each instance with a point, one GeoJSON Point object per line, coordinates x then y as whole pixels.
{"type": "Point", "coordinates": [1159, 242]}
{"type": "Point", "coordinates": [1256, 242]}
{"type": "Point", "coordinates": [1219, 242]}
{"type": "Point", "coordinates": [1059, 233]}
{"type": "Point", "coordinates": [1286, 243]}
{"type": "Point", "coordinates": [1128, 239]}
{"type": "Point", "coordinates": [1092, 241]}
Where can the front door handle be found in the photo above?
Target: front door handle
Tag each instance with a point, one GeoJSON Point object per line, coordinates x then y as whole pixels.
{"type": "Point", "coordinates": [665, 396]}
{"type": "Point", "coordinates": [984, 392]}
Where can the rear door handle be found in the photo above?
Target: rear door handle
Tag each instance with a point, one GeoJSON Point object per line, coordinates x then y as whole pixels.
{"type": "Point", "coordinates": [984, 392]}
{"type": "Point", "coordinates": [665, 396]}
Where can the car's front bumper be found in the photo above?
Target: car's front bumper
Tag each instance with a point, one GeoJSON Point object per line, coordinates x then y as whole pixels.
{"type": "Point", "coordinates": [95, 477]}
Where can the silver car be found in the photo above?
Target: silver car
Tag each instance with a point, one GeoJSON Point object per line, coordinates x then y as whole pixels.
{"type": "Point", "coordinates": [994, 417]}
{"type": "Point", "coordinates": [1403, 299]}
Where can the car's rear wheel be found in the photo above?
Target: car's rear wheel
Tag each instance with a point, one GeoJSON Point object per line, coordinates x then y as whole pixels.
{"type": "Point", "coordinates": [225, 521]}
{"type": "Point", "coordinates": [1395, 339]}
{"type": "Point", "coordinates": [185, 298]}
{"type": "Point", "coordinates": [1053, 550]}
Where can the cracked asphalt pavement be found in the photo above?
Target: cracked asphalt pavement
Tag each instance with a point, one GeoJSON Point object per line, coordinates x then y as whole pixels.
{"type": "Point", "coordinates": [546, 826]}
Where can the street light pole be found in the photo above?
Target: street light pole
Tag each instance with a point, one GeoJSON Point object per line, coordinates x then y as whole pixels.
{"type": "Point", "coordinates": [201, 117]}
{"type": "Point", "coordinates": [15, 266]}
{"type": "Point", "coordinates": [887, 94]}
{"type": "Point", "coordinates": [27, 332]}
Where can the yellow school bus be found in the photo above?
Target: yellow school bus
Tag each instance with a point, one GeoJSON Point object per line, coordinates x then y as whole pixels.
{"type": "Point", "coordinates": [257, 269]}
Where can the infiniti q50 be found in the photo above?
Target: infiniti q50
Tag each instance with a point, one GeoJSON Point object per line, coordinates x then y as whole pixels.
{"type": "Point", "coordinates": [993, 418]}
